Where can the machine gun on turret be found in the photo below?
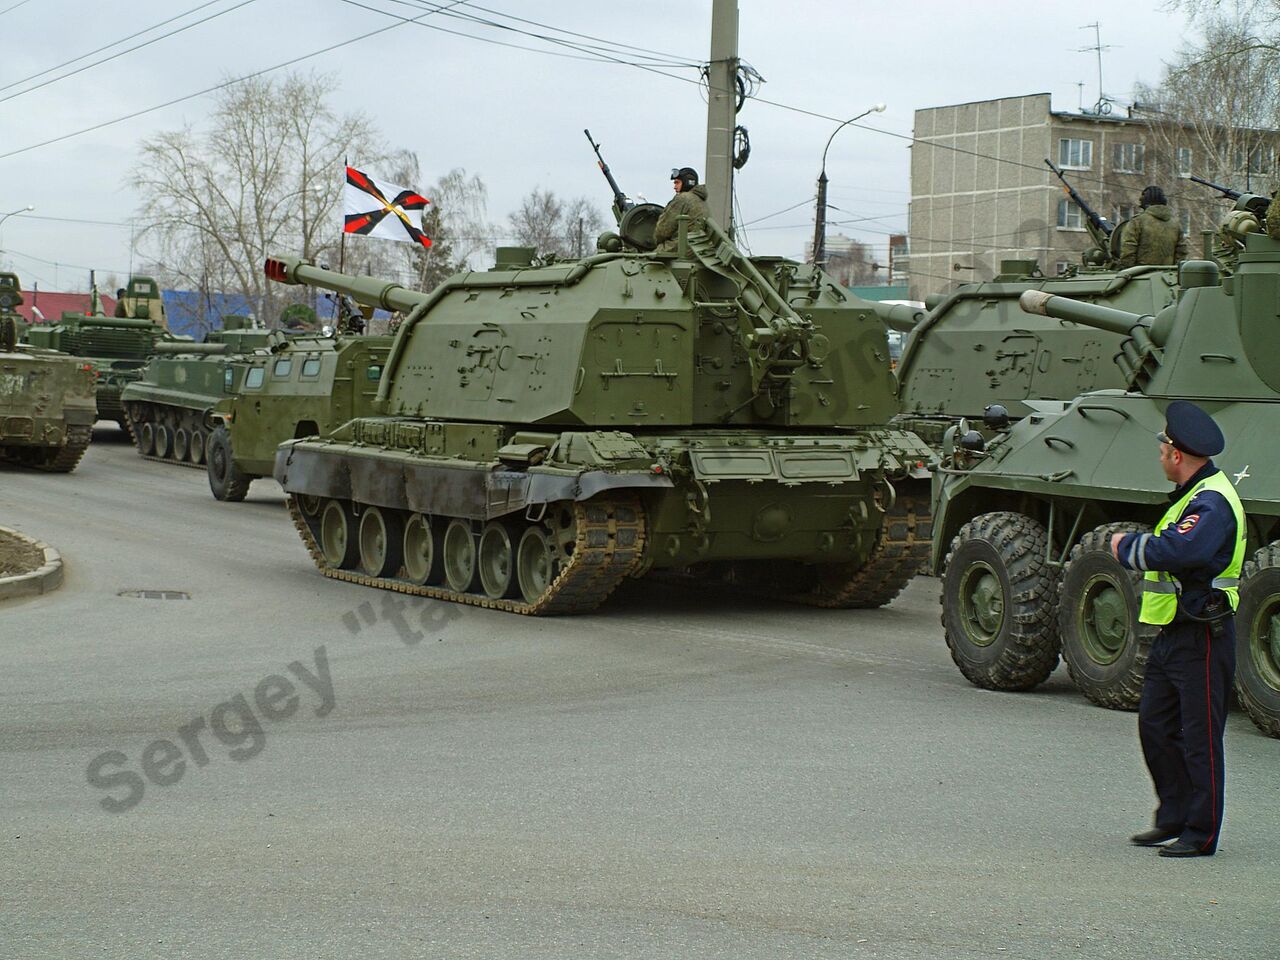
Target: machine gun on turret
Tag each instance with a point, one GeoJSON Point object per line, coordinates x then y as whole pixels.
{"type": "Point", "coordinates": [1254, 203]}
{"type": "Point", "coordinates": [620, 202]}
{"type": "Point", "coordinates": [1101, 229]}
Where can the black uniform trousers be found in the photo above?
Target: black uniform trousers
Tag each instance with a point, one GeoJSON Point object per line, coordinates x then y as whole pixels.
{"type": "Point", "coordinates": [1181, 718]}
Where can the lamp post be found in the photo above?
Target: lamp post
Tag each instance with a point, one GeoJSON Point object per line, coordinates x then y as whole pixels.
{"type": "Point", "coordinates": [12, 213]}
{"type": "Point", "coordinates": [820, 216]}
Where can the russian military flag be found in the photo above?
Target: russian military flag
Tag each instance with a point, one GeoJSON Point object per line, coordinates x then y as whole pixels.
{"type": "Point", "coordinates": [379, 209]}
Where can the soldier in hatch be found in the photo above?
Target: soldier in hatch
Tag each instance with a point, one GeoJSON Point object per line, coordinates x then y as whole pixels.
{"type": "Point", "coordinates": [1152, 237]}
{"type": "Point", "coordinates": [690, 200]}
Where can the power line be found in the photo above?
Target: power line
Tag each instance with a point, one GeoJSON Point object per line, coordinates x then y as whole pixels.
{"type": "Point", "coordinates": [14, 7]}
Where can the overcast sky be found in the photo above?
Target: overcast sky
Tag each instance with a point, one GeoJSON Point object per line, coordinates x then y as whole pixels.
{"type": "Point", "coordinates": [515, 116]}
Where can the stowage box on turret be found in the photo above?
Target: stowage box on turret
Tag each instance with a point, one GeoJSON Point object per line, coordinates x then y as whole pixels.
{"type": "Point", "coordinates": [47, 410]}
{"type": "Point", "coordinates": [545, 430]}
{"type": "Point", "coordinates": [1023, 524]}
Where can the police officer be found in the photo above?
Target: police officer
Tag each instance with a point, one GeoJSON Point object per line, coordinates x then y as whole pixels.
{"type": "Point", "coordinates": [1190, 589]}
{"type": "Point", "coordinates": [1152, 236]}
{"type": "Point", "coordinates": [690, 200]}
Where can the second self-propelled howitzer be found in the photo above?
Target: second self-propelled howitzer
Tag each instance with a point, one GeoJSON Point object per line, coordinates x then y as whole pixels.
{"type": "Point", "coordinates": [1024, 522]}
{"type": "Point", "coordinates": [545, 429]}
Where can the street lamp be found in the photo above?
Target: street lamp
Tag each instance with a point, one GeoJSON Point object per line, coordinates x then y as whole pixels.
{"type": "Point", "coordinates": [12, 213]}
{"type": "Point", "coordinates": [820, 216]}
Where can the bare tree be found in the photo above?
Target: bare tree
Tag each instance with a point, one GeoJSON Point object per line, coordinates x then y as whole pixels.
{"type": "Point", "coordinates": [566, 228]}
{"type": "Point", "coordinates": [265, 177]}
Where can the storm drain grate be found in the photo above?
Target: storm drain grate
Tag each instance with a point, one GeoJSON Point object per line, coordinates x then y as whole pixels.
{"type": "Point", "coordinates": [155, 594]}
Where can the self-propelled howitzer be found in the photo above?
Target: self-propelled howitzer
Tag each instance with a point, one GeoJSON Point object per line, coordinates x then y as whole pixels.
{"type": "Point", "coordinates": [544, 430]}
{"type": "Point", "coordinates": [1023, 525]}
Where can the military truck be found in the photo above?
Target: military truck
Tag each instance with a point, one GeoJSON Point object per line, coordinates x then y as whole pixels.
{"type": "Point", "coordinates": [1023, 522]}
{"type": "Point", "coordinates": [975, 350]}
{"type": "Point", "coordinates": [47, 408]}
{"type": "Point", "coordinates": [549, 428]}
{"type": "Point", "coordinates": [118, 346]}
{"type": "Point", "coordinates": [307, 388]}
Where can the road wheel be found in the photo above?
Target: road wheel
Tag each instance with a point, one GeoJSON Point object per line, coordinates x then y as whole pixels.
{"type": "Point", "coordinates": [459, 556]}
{"type": "Point", "coordinates": [999, 602]}
{"type": "Point", "coordinates": [196, 452]}
{"type": "Point", "coordinates": [423, 553]}
{"type": "Point", "coordinates": [164, 441]}
{"type": "Point", "coordinates": [1103, 644]}
{"type": "Point", "coordinates": [381, 541]}
{"type": "Point", "coordinates": [1258, 640]}
{"type": "Point", "coordinates": [146, 438]}
{"type": "Point", "coordinates": [497, 561]}
{"type": "Point", "coordinates": [226, 480]}
{"type": "Point", "coordinates": [339, 538]}
{"type": "Point", "coordinates": [535, 563]}
{"type": "Point", "coordinates": [309, 505]}
{"type": "Point", "coordinates": [181, 444]}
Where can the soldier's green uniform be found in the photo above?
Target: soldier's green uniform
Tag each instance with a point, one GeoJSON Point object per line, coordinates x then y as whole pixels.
{"type": "Point", "coordinates": [1273, 217]}
{"type": "Point", "coordinates": [1152, 237]}
{"type": "Point", "coordinates": [691, 203]}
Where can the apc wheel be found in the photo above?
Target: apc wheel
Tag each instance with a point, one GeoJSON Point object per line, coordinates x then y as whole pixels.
{"type": "Point", "coordinates": [181, 444]}
{"type": "Point", "coordinates": [381, 542]}
{"type": "Point", "coordinates": [459, 556]}
{"type": "Point", "coordinates": [496, 559]}
{"type": "Point", "coordinates": [164, 441]}
{"type": "Point", "coordinates": [535, 563]}
{"type": "Point", "coordinates": [196, 452]}
{"type": "Point", "coordinates": [339, 538]}
{"type": "Point", "coordinates": [1258, 640]}
{"type": "Point", "coordinates": [1103, 644]}
{"type": "Point", "coordinates": [226, 480]}
{"type": "Point", "coordinates": [423, 553]}
{"type": "Point", "coordinates": [146, 438]}
{"type": "Point", "coordinates": [999, 602]}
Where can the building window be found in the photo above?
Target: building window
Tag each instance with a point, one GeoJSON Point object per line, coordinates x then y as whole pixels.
{"type": "Point", "coordinates": [1125, 211]}
{"type": "Point", "coordinates": [1127, 157]}
{"type": "Point", "coordinates": [1254, 160]}
{"type": "Point", "coordinates": [1069, 215]}
{"type": "Point", "coordinates": [1061, 267]}
{"type": "Point", "coordinates": [1184, 161]}
{"type": "Point", "coordinates": [1075, 154]}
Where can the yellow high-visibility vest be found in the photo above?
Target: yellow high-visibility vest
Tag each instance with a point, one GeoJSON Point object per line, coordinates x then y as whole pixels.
{"type": "Point", "coordinates": [1160, 589]}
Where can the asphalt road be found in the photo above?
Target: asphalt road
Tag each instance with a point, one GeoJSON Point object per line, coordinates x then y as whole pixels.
{"type": "Point", "coordinates": [677, 775]}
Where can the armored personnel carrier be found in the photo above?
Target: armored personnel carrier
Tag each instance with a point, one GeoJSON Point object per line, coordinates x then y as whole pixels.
{"type": "Point", "coordinates": [1023, 523]}
{"type": "Point", "coordinates": [548, 428]}
{"type": "Point", "coordinates": [307, 388]}
{"type": "Point", "coordinates": [47, 409]}
{"type": "Point", "coordinates": [117, 346]}
{"type": "Point", "coordinates": [975, 350]}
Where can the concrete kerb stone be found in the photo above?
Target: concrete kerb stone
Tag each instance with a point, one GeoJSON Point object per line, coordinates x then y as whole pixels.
{"type": "Point", "coordinates": [44, 579]}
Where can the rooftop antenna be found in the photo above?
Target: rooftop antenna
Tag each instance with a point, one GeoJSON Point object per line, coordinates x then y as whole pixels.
{"type": "Point", "coordinates": [1103, 106]}
{"type": "Point", "coordinates": [1080, 98]}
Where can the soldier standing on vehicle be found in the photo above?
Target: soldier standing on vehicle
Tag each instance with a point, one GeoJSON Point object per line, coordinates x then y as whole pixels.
{"type": "Point", "coordinates": [690, 200]}
{"type": "Point", "coordinates": [1273, 216]}
{"type": "Point", "coordinates": [1190, 589]}
{"type": "Point", "coordinates": [1152, 237]}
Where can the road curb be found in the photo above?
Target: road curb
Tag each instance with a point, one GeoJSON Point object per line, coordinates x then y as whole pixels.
{"type": "Point", "coordinates": [44, 579]}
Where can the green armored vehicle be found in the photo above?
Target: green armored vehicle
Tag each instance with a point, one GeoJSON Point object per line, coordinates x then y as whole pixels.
{"type": "Point", "coordinates": [1023, 523]}
{"type": "Point", "coordinates": [169, 406]}
{"type": "Point", "coordinates": [306, 388]}
{"type": "Point", "coordinates": [976, 354]}
{"type": "Point", "coordinates": [47, 410]}
{"type": "Point", "coordinates": [117, 346]}
{"type": "Point", "coordinates": [546, 429]}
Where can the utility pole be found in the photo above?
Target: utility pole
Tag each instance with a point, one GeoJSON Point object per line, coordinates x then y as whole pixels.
{"type": "Point", "coordinates": [722, 110]}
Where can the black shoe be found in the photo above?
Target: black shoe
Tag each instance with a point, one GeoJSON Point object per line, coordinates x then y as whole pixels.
{"type": "Point", "coordinates": [1153, 837]}
{"type": "Point", "coordinates": [1180, 848]}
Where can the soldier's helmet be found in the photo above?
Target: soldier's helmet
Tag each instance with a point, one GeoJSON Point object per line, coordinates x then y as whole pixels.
{"type": "Point", "coordinates": [687, 176]}
{"type": "Point", "coordinates": [1151, 196]}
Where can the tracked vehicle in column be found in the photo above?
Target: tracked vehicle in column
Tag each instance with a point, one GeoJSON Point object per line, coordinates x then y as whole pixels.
{"type": "Point", "coordinates": [47, 407]}
{"type": "Point", "coordinates": [548, 428]}
{"type": "Point", "coordinates": [1023, 522]}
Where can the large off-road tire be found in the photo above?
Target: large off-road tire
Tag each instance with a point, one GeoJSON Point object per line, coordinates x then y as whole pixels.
{"type": "Point", "coordinates": [226, 480]}
{"type": "Point", "coordinates": [1104, 646]}
{"type": "Point", "coordinates": [1258, 640]}
{"type": "Point", "coordinates": [999, 604]}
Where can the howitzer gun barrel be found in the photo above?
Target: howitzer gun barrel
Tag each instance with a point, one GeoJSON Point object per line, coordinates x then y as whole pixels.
{"type": "Point", "coordinates": [170, 349]}
{"type": "Point", "coordinates": [1090, 314]}
{"type": "Point", "coordinates": [367, 290]}
{"type": "Point", "coordinates": [899, 316]}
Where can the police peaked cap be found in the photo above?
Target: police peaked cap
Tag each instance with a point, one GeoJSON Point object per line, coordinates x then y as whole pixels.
{"type": "Point", "coordinates": [1192, 431]}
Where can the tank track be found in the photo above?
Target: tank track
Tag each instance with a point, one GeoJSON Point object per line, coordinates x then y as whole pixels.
{"type": "Point", "coordinates": [62, 459]}
{"type": "Point", "coordinates": [609, 542]}
{"type": "Point", "coordinates": [900, 552]}
{"type": "Point", "coordinates": [137, 446]}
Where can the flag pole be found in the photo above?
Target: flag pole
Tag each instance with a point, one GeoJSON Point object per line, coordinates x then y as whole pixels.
{"type": "Point", "coordinates": [342, 239]}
